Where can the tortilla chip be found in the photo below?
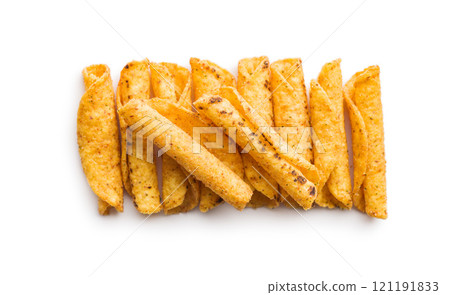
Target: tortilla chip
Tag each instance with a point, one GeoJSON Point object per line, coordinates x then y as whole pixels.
{"type": "Point", "coordinates": [256, 121]}
{"type": "Point", "coordinates": [142, 175]}
{"type": "Point", "coordinates": [259, 200]}
{"type": "Point", "coordinates": [339, 182]}
{"type": "Point", "coordinates": [290, 104]}
{"type": "Point", "coordinates": [103, 207]}
{"type": "Point", "coordinates": [325, 125]}
{"type": "Point", "coordinates": [203, 165]}
{"type": "Point", "coordinates": [192, 197]}
{"type": "Point", "coordinates": [360, 146]}
{"type": "Point", "coordinates": [173, 187]}
{"type": "Point", "coordinates": [253, 86]}
{"type": "Point", "coordinates": [185, 99]}
{"type": "Point", "coordinates": [170, 82]}
{"type": "Point", "coordinates": [367, 98]}
{"type": "Point", "coordinates": [224, 114]}
{"type": "Point", "coordinates": [207, 76]}
{"type": "Point", "coordinates": [98, 138]}
{"type": "Point", "coordinates": [325, 198]}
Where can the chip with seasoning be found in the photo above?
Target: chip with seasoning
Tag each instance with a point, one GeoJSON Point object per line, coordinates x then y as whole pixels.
{"type": "Point", "coordinates": [98, 138]}
{"type": "Point", "coordinates": [364, 91]}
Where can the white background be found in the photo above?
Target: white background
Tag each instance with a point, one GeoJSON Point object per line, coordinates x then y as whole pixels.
{"type": "Point", "coordinates": [53, 239]}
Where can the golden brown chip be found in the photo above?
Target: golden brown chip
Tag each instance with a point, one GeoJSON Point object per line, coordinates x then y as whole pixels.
{"type": "Point", "coordinates": [290, 104]}
{"type": "Point", "coordinates": [367, 98]}
{"type": "Point", "coordinates": [185, 99]}
{"type": "Point", "coordinates": [260, 200]}
{"type": "Point", "coordinates": [325, 125]}
{"type": "Point", "coordinates": [256, 121]}
{"type": "Point", "coordinates": [139, 176]}
{"type": "Point", "coordinates": [173, 187]}
{"type": "Point", "coordinates": [207, 76]}
{"type": "Point", "coordinates": [253, 85]}
{"type": "Point", "coordinates": [103, 207]}
{"type": "Point", "coordinates": [98, 138]}
{"type": "Point", "coordinates": [339, 182]}
{"type": "Point", "coordinates": [170, 82]}
{"type": "Point", "coordinates": [203, 165]}
{"type": "Point", "coordinates": [191, 198]}
{"type": "Point", "coordinates": [225, 115]}
{"type": "Point", "coordinates": [325, 198]}
{"type": "Point", "coordinates": [360, 146]}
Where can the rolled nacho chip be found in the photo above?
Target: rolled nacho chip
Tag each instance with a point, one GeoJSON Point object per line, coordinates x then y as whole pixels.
{"type": "Point", "coordinates": [290, 103]}
{"type": "Point", "coordinates": [366, 95]}
{"type": "Point", "coordinates": [188, 121]}
{"type": "Point", "coordinates": [139, 176]}
{"type": "Point", "coordinates": [225, 115]}
{"type": "Point", "coordinates": [260, 200]}
{"type": "Point", "coordinates": [339, 182]}
{"type": "Point", "coordinates": [203, 165]}
{"type": "Point", "coordinates": [253, 85]}
{"type": "Point", "coordinates": [325, 125]}
{"type": "Point", "coordinates": [280, 145]}
{"type": "Point", "coordinates": [191, 198]}
{"type": "Point", "coordinates": [360, 146]}
{"type": "Point", "coordinates": [206, 78]}
{"type": "Point", "coordinates": [98, 138]}
{"type": "Point", "coordinates": [169, 81]}
{"type": "Point", "coordinates": [290, 107]}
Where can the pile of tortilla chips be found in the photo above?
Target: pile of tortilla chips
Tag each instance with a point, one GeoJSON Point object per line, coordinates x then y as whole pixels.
{"type": "Point", "coordinates": [255, 141]}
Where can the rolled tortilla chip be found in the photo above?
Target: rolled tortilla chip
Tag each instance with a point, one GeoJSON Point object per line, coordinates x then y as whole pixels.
{"type": "Point", "coordinates": [191, 198]}
{"type": "Point", "coordinates": [253, 86]}
{"type": "Point", "coordinates": [339, 182]}
{"type": "Point", "coordinates": [290, 103]}
{"type": "Point", "coordinates": [139, 175]}
{"type": "Point", "coordinates": [203, 165]}
{"type": "Point", "coordinates": [360, 146]}
{"type": "Point", "coordinates": [325, 125]}
{"type": "Point", "coordinates": [225, 115]}
{"type": "Point", "coordinates": [98, 138]}
{"type": "Point", "coordinates": [188, 121]}
{"type": "Point", "coordinates": [168, 81]}
{"type": "Point", "coordinates": [206, 78]}
{"type": "Point", "coordinates": [367, 98]}
{"type": "Point", "coordinates": [280, 145]}
{"type": "Point", "coordinates": [260, 200]}
{"type": "Point", "coordinates": [290, 107]}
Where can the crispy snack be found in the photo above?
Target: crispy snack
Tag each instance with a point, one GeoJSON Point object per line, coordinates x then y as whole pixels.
{"type": "Point", "coordinates": [260, 200]}
{"type": "Point", "coordinates": [360, 146]}
{"type": "Point", "coordinates": [290, 108]}
{"type": "Point", "coordinates": [139, 176]}
{"type": "Point", "coordinates": [253, 86]}
{"type": "Point", "coordinates": [191, 198]}
{"type": "Point", "coordinates": [225, 115]}
{"type": "Point", "coordinates": [255, 120]}
{"type": "Point", "coordinates": [206, 78]}
{"type": "Point", "coordinates": [290, 103]}
{"type": "Point", "coordinates": [103, 207]}
{"type": "Point", "coordinates": [98, 138]}
{"type": "Point", "coordinates": [170, 82]}
{"type": "Point", "coordinates": [203, 165]}
{"type": "Point", "coordinates": [339, 182]}
{"type": "Point", "coordinates": [364, 91]}
{"type": "Point", "coordinates": [173, 189]}
{"type": "Point", "coordinates": [325, 125]}
{"type": "Point", "coordinates": [187, 121]}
